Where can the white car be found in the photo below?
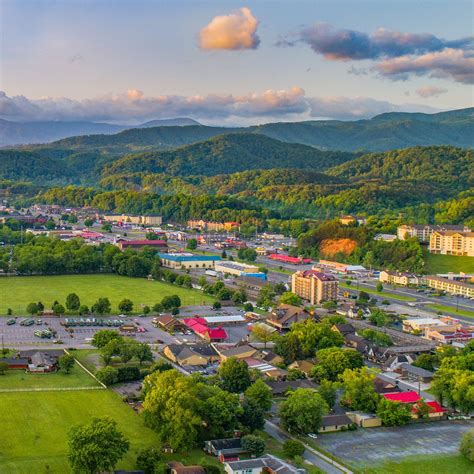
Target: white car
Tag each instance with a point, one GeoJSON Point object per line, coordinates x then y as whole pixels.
{"type": "Point", "coordinates": [313, 435]}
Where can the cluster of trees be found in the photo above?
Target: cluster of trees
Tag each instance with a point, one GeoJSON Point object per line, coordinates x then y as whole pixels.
{"type": "Point", "coordinates": [187, 410]}
{"type": "Point", "coordinates": [219, 290]}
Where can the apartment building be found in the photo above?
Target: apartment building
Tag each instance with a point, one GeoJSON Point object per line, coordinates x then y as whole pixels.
{"type": "Point", "coordinates": [132, 219]}
{"type": "Point", "coordinates": [451, 242]}
{"type": "Point", "coordinates": [399, 278]}
{"type": "Point", "coordinates": [212, 226]}
{"type": "Point", "coordinates": [453, 287]}
{"type": "Point", "coordinates": [423, 232]}
{"type": "Point", "coordinates": [314, 286]}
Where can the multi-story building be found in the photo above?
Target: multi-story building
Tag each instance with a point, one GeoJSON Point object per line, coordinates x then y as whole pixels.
{"type": "Point", "coordinates": [132, 219]}
{"type": "Point", "coordinates": [314, 286]}
{"type": "Point", "coordinates": [399, 278]}
{"type": "Point", "coordinates": [212, 226]}
{"type": "Point", "coordinates": [453, 287]}
{"type": "Point", "coordinates": [451, 242]}
{"type": "Point", "coordinates": [423, 232]}
{"type": "Point", "coordinates": [188, 260]}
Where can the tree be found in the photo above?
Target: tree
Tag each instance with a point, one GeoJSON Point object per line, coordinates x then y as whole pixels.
{"type": "Point", "coordinates": [151, 236]}
{"type": "Point", "coordinates": [66, 362]}
{"type": "Point", "coordinates": [378, 317]}
{"type": "Point", "coordinates": [327, 390]}
{"type": "Point", "coordinates": [96, 447]}
{"type": "Point", "coordinates": [216, 305]}
{"type": "Point", "coordinates": [302, 411]}
{"type": "Point", "coordinates": [89, 222]}
{"type": "Point", "coordinates": [329, 305]}
{"type": "Point", "coordinates": [260, 394]}
{"type": "Point", "coordinates": [73, 303]}
{"type": "Point", "coordinates": [192, 244]}
{"type": "Point", "coordinates": [171, 301]}
{"type": "Point", "coordinates": [3, 367]}
{"type": "Point", "coordinates": [393, 413]}
{"type": "Point", "coordinates": [252, 416]}
{"type": "Point", "coordinates": [293, 448]}
{"type": "Point", "coordinates": [32, 309]}
{"type": "Point", "coordinates": [107, 375]}
{"type": "Point", "coordinates": [40, 307]}
{"type": "Point", "coordinates": [288, 347]}
{"type": "Point", "coordinates": [290, 298]}
{"type": "Point", "coordinates": [101, 306]}
{"type": "Point", "coordinates": [262, 333]}
{"type": "Point", "coordinates": [143, 353]}
{"type": "Point", "coordinates": [379, 287]}
{"type": "Point", "coordinates": [106, 227]}
{"type": "Point", "coordinates": [333, 361]}
{"type": "Point", "coordinates": [148, 459]}
{"type": "Point", "coordinates": [104, 336]}
{"type": "Point", "coordinates": [467, 445]}
{"type": "Point", "coordinates": [359, 389]}
{"type": "Point", "coordinates": [425, 361]}
{"type": "Point", "coordinates": [126, 306]}
{"type": "Point", "coordinates": [58, 309]}
{"type": "Point", "coordinates": [253, 445]}
{"type": "Point", "coordinates": [83, 309]}
{"type": "Point", "coordinates": [234, 375]}
{"type": "Point", "coordinates": [247, 254]}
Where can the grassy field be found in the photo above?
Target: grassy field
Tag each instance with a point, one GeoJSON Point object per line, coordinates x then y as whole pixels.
{"type": "Point", "coordinates": [14, 379]}
{"type": "Point", "coordinates": [445, 464]}
{"type": "Point", "coordinates": [451, 309]}
{"type": "Point", "coordinates": [380, 294]}
{"type": "Point", "coordinates": [36, 424]}
{"type": "Point", "coordinates": [448, 263]}
{"type": "Point", "coordinates": [17, 292]}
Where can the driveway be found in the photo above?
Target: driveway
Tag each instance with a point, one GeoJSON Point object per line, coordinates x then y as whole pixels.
{"type": "Point", "coordinates": [373, 445]}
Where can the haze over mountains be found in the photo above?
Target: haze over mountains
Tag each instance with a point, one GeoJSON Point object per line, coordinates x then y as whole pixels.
{"type": "Point", "coordinates": [383, 132]}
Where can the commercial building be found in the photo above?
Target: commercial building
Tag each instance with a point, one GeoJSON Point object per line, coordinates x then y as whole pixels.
{"type": "Point", "coordinates": [236, 268]}
{"type": "Point", "coordinates": [453, 287]}
{"type": "Point", "coordinates": [139, 244]}
{"type": "Point", "coordinates": [287, 259]}
{"type": "Point", "coordinates": [188, 260]}
{"type": "Point", "coordinates": [420, 324]}
{"type": "Point", "coordinates": [423, 232]}
{"type": "Point", "coordinates": [451, 242]}
{"type": "Point", "coordinates": [213, 226]}
{"type": "Point", "coordinates": [399, 278]}
{"type": "Point", "coordinates": [340, 267]}
{"type": "Point", "coordinates": [314, 286]}
{"type": "Point", "coordinates": [151, 219]}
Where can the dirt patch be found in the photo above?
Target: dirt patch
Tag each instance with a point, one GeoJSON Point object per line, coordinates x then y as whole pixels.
{"type": "Point", "coordinates": [331, 247]}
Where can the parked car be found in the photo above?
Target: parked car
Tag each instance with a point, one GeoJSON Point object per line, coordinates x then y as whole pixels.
{"type": "Point", "coordinates": [11, 321]}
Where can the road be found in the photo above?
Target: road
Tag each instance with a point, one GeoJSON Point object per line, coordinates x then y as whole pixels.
{"type": "Point", "coordinates": [311, 455]}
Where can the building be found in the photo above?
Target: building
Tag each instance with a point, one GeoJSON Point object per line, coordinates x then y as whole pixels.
{"type": "Point", "coordinates": [400, 278]}
{"type": "Point", "coordinates": [236, 268]}
{"type": "Point", "coordinates": [287, 259]}
{"type": "Point", "coordinates": [314, 286]}
{"type": "Point", "coordinates": [421, 324]}
{"type": "Point", "coordinates": [386, 237]}
{"type": "Point", "coordinates": [188, 260]}
{"type": "Point", "coordinates": [227, 449]}
{"type": "Point", "coordinates": [333, 423]}
{"type": "Point", "coordinates": [349, 219]}
{"type": "Point", "coordinates": [168, 323]}
{"type": "Point", "coordinates": [213, 226]}
{"type": "Point", "coordinates": [231, 320]}
{"type": "Point", "coordinates": [402, 397]}
{"type": "Point", "coordinates": [305, 366]}
{"type": "Point", "coordinates": [283, 387]}
{"type": "Point", "coordinates": [238, 352]}
{"type": "Point", "coordinates": [199, 327]}
{"type": "Point", "coordinates": [267, 464]}
{"type": "Point", "coordinates": [139, 244]}
{"type": "Point", "coordinates": [364, 420]}
{"type": "Point", "coordinates": [450, 334]}
{"type": "Point", "coordinates": [340, 267]}
{"type": "Point", "coordinates": [176, 467]}
{"type": "Point", "coordinates": [284, 315]}
{"type": "Point", "coordinates": [451, 242]}
{"type": "Point", "coordinates": [191, 354]}
{"type": "Point", "coordinates": [453, 287]}
{"type": "Point", "coordinates": [418, 374]}
{"type": "Point", "coordinates": [423, 232]}
{"type": "Point", "coordinates": [149, 220]}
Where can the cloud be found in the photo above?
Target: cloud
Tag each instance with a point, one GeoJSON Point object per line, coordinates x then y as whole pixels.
{"type": "Point", "coordinates": [232, 32]}
{"type": "Point", "coordinates": [133, 106]}
{"type": "Point", "coordinates": [447, 64]}
{"type": "Point", "coordinates": [430, 91]}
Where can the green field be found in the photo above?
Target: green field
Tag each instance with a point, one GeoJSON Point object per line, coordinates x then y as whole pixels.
{"type": "Point", "coordinates": [35, 425]}
{"type": "Point", "coordinates": [447, 263]}
{"type": "Point", "coordinates": [17, 292]}
{"type": "Point", "coordinates": [381, 294]}
{"type": "Point", "coordinates": [451, 310]}
{"type": "Point", "coordinates": [18, 379]}
{"type": "Point", "coordinates": [446, 464]}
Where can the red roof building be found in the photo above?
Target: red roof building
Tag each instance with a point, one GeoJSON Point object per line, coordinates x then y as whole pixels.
{"type": "Point", "coordinates": [402, 397]}
{"type": "Point", "coordinates": [436, 408]}
{"type": "Point", "coordinates": [288, 259]}
{"type": "Point", "coordinates": [199, 327]}
{"type": "Point", "coordinates": [138, 244]}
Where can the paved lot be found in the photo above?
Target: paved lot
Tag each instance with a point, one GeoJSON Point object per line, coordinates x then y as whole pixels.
{"type": "Point", "coordinates": [374, 445]}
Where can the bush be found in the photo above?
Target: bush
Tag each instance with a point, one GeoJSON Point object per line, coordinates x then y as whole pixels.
{"type": "Point", "coordinates": [293, 448]}
{"type": "Point", "coordinates": [107, 375]}
{"type": "Point", "coordinates": [467, 445]}
{"type": "Point", "coordinates": [210, 469]}
{"type": "Point", "coordinates": [128, 374]}
{"type": "Point", "coordinates": [148, 459]}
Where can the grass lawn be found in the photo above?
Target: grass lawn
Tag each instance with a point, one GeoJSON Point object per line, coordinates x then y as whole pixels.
{"type": "Point", "coordinates": [381, 294]}
{"type": "Point", "coordinates": [447, 263]}
{"type": "Point", "coordinates": [35, 428]}
{"type": "Point", "coordinates": [446, 464]}
{"type": "Point", "coordinates": [451, 309]}
{"type": "Point", "coordinates": [18, 292]}
{"type": "Point", "coordinates": [78, 377]}
{"type": "Point", "coordinates": [89, 358]}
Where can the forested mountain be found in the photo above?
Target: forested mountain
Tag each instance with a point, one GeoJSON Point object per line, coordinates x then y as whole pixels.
{"type": "Point", "coordinates": [228, 154]}
{"type": "Point", "coordinates": [17, 133]}
{"type": "Point", "coordinates": [383, 132]}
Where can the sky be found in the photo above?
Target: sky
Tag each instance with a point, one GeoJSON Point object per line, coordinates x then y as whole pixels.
{"type": "Point", "coordinates": [233, 62]}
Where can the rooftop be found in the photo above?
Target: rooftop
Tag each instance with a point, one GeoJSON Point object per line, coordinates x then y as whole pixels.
{"type": "Point", "coordinates": [402, 397]}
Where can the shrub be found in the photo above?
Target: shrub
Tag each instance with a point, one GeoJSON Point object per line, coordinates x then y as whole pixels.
{"type": "Point", "coordinates": [293, 448]}
{"type": "Point", "coordinates": [148, 459]}
{"type": "Point", "coordinates": [107, 375]}
{"type": "Point", "coordinates": [467, 445]}
{"type": "Point", "coordinates": [128, 373]}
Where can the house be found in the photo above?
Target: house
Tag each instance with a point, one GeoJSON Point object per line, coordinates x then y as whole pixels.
{"type": "Point", "coordinates": [168, 323]}
{"type": "Point", "coordinates": [384, 386]}
{"type": "Point", "coordinates": [267, 464]}
{"type": "Point", "coordinates": [42, 362]}
{"type": "Point", "coordinates": [402, 397]}
{"type": "Point", "coordinates": [305, 366]}
{"type": "Point", "coordinates": [176, 467]}
{"type": "Point", "coordinates": [412, 372]}
{"type": "Point", "coordinates": [437, 412]}
{"type": "Point", "coordinates": [386, 237]}
{"type": "Point", "coordinates": [225, 449]}
{"type": "Point", "coordinates": [355, 342]}
{"type": "Point", "coordinates": [395, 361]}
{"type": "Point", "coordinates": [191, 354]}
{"type": "Point", "coordinates": [239, 352]}
{"type": "Point", "coordinates": [333, 423]}
{"type": "Point", "coordinates": [282, 387]}
{"type": "Point", "coordinates": [350, 219]}
{"type": "Point", "coordinates": [16, 363]}
{"type": "Point", "coordinates": [267, 370]}
{"type": "Point", "coordinates": [344, 329]}
{"type": "Point", "coordinates": [269, 357]}
{"type": "Point", "coordinates": [284, 315]}
{"type": "Point", "coordinates": [364, 420]}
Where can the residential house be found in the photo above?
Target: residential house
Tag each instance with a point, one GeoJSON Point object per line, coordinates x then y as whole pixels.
{"type": "Point", "coordinates": [168, 323]}
{"type": "Point", "coordinates": [344, 329]}
{"type": "Point", "coordinates": [305, 366]}
{"type": "Point", "coordinates": [412, 398]}
{"type": "Point", "coordinates": [229, 449]}
{"type": "Point", "coordinates": [269, 357]}
{"type": "Point", "coordinates": [386, 237]}
{"type": "Point", "coordinates": [333, 423]}
{"type": "Point", "coordinates": [437, 412]}
{"type": "Point", "coordinates": [284, 315]}
{"type": "Point", "coordinates": [267, 464]}
{"type": "Point", "coordinates": [395, 361]}
{"type": "Point", "coordinates": [238, 352]}
{"type": "Point", "coordinates": [267, 370]}
{"type": "Point", "coordinates": [281, 387]}
{"type": "Point", "coordinates": [42, 362]}
{"type": "Point", "coordinates": [384, 386]}
{"type": "Point", "coordinates": [350, 219]}
{"type": "Point", "coordinates": [402, 397]}
{"type": "Point", "coordinates": [412, 372]}
{"type": "Point", "coordinates": [191, 354]}
{"type": "Point", "coordinates": [176, 467]}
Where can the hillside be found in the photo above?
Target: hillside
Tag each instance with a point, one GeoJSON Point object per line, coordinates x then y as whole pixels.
{"type": "Point", "coordinates": [228, 154]}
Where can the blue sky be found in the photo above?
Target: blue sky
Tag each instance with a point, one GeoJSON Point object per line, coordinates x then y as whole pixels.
{"type": "Point", "coordinates": [83, 56]}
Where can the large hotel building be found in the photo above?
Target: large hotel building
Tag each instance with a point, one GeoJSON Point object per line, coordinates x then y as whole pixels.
{"type": "Point", "coordinates": [314, 286]}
